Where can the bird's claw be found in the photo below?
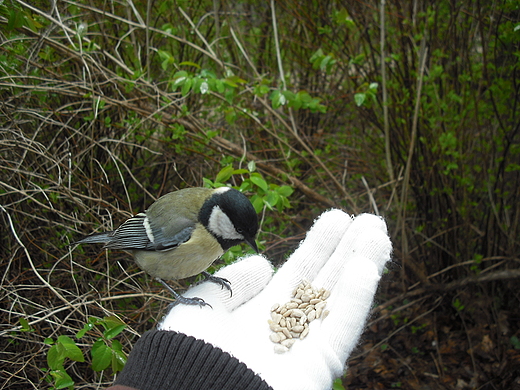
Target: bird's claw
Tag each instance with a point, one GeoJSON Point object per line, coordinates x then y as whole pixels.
{"type": "Point", "coordinates": [184, 300]}
{"type": "Point", "coordinates": [222, 282]}
{"type": "Point", "coordinates": [192, 301]}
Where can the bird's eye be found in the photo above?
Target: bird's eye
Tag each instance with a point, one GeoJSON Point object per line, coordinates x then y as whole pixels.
{"type": "Point", "coordinates": [240, 230]}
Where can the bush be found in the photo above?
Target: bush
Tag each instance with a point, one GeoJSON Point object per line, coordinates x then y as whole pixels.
{"type": "Point", "coordinates": [108, 105]}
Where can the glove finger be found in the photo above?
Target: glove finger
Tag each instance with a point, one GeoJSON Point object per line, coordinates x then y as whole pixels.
{"type": "Point", "coordinates": [365, 237]}
{"type": "Point", "coordinates": [349, 306]}
{"type": "Point", "coordinates": [312, 254]}
{"type": "Point", "coordinates": [366, 248]}
{"type": "Point", "coordinates": [248, 277]}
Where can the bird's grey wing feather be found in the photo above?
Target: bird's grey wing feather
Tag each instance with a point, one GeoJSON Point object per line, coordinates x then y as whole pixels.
{"type": "Point", "coordinates": [172, 223]}
{"type": "Point", "coordinates": [139, 233]}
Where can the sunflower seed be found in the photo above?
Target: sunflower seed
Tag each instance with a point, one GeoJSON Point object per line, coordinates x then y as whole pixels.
{"type": "Point", "coordinates": [291, 305]}
{"type": "Point", "coordinates": [288, 343]}
{"type": "Point", "coordinates": [298, 328]}
{"type": "Point", "coordinates": [274, 337]}
{"type": "Point", "coordinates": [278, 348]}
{"type": "Point", "coordinates": [291, 320]}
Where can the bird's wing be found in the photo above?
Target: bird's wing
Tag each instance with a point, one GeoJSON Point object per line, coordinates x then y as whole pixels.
{"type": "Point", "coordinates": [139, 233]}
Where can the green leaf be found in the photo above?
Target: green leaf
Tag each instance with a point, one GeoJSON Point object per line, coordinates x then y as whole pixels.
{"type": "Point", "coordinates": [186, 86]}
{"type": "Point", "coordinates": [327, 63]}
{"type": "Point", "coordinates": [16, 19]}
{"type": "Point", "coordinates": [338, 385]}
{"type": "Point", "coordinates": [224, 174]}
{"type": "Point", "coordinates": [179, 79]}
{"type": "Point", "coordinates": [515, 342]}
{"type": "Point", "coordinates": [32, 24]}
{"type": "Point", "coordinates": [208, 183]}
{"type": "Point", "coordinates": [296, 101]}
{"type": "Point", "coordinates": [285, 191]}
{"type": "Point", "coordinates": [61, 378]}
{"type": "Point", "coordinates": [304, 97]}
{"type": "Point", "coordinates": [189, 63]}
{"type": "Point", "coordinates": [197, 82]}
{"type": "Point", "coordinates": [62, 349]}
{"type": "Point", "coordinates": [259, 181]}
{"type": "Point", "coordinates": [512, 167]}
{"type": "Point", "coordinates": [258, 203]}
{"type": "Point", "coordinates": [231, 114]}
{"type": "Point", "coordinates": [289, 95]}
{"type": "Point", "coordinates": [113, 321]}
{"type": "Point", "coordinates": [168, 27]}
{"type": "Point", "coordinates": [118, 356]}
{"type": "Point", "coordinates": [219, 86]}
{"type": "Point", "coordinates": [180, 74]}
{"type": "Point", "coordinates": [261, 90]}
{"type": "Point", "coordinates": [277, 99]}
{"type": "Point", "coordinates": [25, 324]}
{"type": "Point", "coordinates": [272, 199]}
{"type": "Point", "coordinates": [113, 332]}
{"type": "Point", "coordinates": [70, 349]}
{"type": "Point", "coordinates": [325, 29]}
{"type": "Point", "coordinates": [101, 355]}
{"type": "Point", "coordinates": [54, 358]}
{"type": "Point", "coordinates": [87, 327]}
{"type": "Point", "coordinates": [211, 133]}
{"type": "Point", "coordinates": [251, 165]}
{"type": "Point", "coordinates": [166, 59]}
{"type": "Point", "coordinates": [360, 98]}
{"type": "Point", "coordinates": [208, 73]}
{"type": "Point", "coordinates": [245, 186]}
{"type": "Point", "coordinates": [316, 57]}
{"type": "Point", "coordinates": [233, 81]}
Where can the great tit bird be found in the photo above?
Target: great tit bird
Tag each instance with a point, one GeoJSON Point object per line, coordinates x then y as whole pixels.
{"type": "Point", "coordinates": [183, 233]}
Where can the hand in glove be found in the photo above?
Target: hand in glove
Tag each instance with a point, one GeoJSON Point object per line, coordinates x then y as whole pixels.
{"type": "Point", "coordinates": [343, 255]}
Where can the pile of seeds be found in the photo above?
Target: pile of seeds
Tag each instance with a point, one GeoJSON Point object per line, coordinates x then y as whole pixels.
{"type": "Point", "coordinates": [290, 321]}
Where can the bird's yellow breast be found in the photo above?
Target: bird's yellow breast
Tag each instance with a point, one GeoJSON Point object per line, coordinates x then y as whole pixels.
{"type": "Point", "coordinates": [188, 259]}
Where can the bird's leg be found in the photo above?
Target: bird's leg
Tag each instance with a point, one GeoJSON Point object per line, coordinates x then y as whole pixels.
{"type": "Point", "coordinates": [220, 281]}
{"type": "Point", "coordinates": [180, 299]}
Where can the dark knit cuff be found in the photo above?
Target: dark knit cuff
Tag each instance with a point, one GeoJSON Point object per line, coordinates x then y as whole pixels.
{"type": "Point", "coordinates": [162, 360]}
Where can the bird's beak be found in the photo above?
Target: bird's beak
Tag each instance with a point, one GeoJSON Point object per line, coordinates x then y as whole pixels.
{"type": "Point", "coordinates": [252, 243]}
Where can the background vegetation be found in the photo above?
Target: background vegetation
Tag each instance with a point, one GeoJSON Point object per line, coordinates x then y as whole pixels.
{"type": "Point", "coordinates": [410, 112]}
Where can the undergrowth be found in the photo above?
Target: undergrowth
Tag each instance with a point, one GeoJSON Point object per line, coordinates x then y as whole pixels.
{"type": "Point", "coordinates": [410, 113]}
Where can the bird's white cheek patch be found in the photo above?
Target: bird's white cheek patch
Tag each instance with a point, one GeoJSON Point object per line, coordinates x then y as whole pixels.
{"type": "Point", "coordinates": [221, 225]}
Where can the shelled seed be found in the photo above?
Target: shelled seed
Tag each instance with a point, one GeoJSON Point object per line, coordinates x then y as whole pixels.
{"type": "Point", "coordinates": [291, 320]}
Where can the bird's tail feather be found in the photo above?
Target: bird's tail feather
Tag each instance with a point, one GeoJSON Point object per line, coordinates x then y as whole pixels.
{"type": "Point", "coordinates": [96, 238]}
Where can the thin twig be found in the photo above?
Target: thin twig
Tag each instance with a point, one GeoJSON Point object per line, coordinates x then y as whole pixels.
{"type": "Point", "coordinates": [404, 194]}
{"type": "Point", "coordinates": [386, 124]}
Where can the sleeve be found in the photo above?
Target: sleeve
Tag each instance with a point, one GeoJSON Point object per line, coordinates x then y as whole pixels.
{"type": "Point", "coordinates": [170, 360]}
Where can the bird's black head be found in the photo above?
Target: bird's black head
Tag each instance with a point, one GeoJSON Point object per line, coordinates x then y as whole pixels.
{"type": "Point", "coordinates": [230, 218]}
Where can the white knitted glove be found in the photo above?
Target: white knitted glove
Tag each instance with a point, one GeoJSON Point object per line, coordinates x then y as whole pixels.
{"type": "Point", "coordinates": [343, 255]}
